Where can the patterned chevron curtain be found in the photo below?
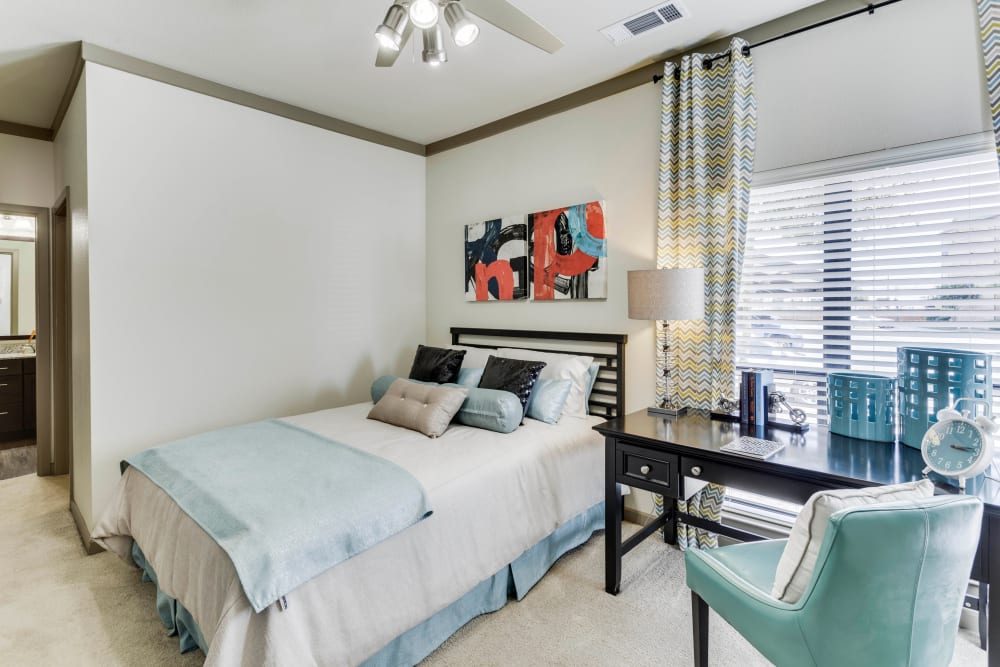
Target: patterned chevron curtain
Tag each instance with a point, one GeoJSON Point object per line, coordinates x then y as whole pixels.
{"type": "Point", "coordinates": [709, 123]}
{"type": "Point", "coordinates": [989, 26]}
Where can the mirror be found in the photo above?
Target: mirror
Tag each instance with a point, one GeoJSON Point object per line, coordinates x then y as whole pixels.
{"type": "Point", "coordinates": [17, 274]}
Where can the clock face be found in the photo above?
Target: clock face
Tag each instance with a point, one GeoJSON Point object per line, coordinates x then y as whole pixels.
{"type": "Point", "coordinates": [953, 447]}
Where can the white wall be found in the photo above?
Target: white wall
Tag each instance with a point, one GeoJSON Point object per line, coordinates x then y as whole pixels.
{"type": "Point", "coordinates": [242, 266]}
{"type": "Point", "coordinates": [26, 171]}
{"type": "Point", "coordinates": [913, 73]}
{"type": "Point", "coordinates": [71, 172]}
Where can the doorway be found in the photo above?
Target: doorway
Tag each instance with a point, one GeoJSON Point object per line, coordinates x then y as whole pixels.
{"type": "Point", "coordinates": [18, 310]}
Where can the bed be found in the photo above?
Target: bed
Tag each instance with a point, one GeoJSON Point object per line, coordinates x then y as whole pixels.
{"type": "Point", "coordinates": [505, 507]}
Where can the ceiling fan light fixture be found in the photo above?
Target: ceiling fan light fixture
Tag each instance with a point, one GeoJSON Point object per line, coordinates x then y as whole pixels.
{"type": "Point", "coordinates": [463, 30]}
{"type": "Point", "coordinates": [434, 53]}
{"type": "Point", "coordinates": [424, 13]}
{"type": "Point", "coordinates": [390, 33]}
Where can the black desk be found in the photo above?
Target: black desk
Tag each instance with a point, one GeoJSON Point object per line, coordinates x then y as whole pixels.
{"type": "Point", "coordinates": [665, 455]}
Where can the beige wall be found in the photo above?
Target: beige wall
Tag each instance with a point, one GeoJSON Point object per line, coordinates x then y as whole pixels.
{"type": "Point", "coordinates": [242, 266]}
{"type": "Point", "coordinates": [26, 171]}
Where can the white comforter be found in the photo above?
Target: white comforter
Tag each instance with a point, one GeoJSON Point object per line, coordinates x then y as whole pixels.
{"type": "Point", "coordinates": [493, 496]}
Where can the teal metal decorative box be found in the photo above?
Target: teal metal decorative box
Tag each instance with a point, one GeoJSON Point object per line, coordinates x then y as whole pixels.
{"type": "Point", "coordinates": [862, 405]}
{"type": "Point", "coordinates": [931, 379]}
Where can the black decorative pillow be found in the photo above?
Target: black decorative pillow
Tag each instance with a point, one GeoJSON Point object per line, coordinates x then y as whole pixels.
{"type": "Point", "coordinates": [436, 364]}
{"type": "Point", "coordinates": [514, 375]}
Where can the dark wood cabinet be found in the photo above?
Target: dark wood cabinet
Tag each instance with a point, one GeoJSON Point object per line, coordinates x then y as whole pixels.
{"type": "Point", "coordinates": [17, 398]}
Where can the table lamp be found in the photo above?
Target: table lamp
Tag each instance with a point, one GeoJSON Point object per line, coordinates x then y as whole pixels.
{"type": "Point", "coordinates": [668, 295]}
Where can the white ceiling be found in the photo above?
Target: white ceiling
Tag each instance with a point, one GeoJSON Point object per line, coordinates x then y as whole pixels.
{"type": "Point", "coordinates": [319, 54]}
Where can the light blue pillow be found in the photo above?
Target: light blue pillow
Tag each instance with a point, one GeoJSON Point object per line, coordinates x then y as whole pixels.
{"type": "Point", "coordinates": [548, 398]}
{"type": "Point", "coordinates": [470, 377]}
{"type": "Point", "coordinates": [594, 369]}
{"type": "Point", "coordinates": [490, 409]}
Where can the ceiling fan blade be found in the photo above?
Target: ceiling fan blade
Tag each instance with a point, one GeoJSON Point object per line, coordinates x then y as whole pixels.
{"type": "Point", "coordinates": [510, 19]}
{"type": "Point", "coordinates": [387, 57]}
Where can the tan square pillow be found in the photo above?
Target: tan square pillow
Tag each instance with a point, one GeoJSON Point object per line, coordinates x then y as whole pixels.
{"type": "Point", "coordinates": [426, 408]}
{"type": "Point", "coordinates": [798, 560]}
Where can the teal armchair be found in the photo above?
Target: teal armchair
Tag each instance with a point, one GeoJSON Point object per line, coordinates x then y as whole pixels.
{"type": "Point", "coordinates": [887, 590]}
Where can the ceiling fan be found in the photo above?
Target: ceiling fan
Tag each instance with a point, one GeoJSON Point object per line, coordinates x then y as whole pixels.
{"type": "Point", "coordinates": [406, 15]}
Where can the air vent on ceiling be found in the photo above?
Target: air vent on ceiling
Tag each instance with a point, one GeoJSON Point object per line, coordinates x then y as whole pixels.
{"type": "Point", "coordinates": [644, 22]}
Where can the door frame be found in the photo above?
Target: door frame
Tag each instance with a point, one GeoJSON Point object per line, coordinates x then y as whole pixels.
{"type": "Point", "coordinates": [54, 411]}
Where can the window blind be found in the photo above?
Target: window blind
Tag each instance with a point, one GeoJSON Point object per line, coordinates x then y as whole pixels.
{"type": "Point", "coordinates": [843, 268]}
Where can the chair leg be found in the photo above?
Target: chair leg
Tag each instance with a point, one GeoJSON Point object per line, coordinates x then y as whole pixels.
{"type": "Point", "coordinates": [699, 623]}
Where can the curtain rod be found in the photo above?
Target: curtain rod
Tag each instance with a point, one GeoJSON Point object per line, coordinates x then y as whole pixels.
{"type": "Point", "coordinates": [708, 62]}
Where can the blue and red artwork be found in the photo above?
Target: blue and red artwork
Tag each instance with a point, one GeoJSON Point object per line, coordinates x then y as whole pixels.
{"type": "Point", "coordinates": [568, 250]}
{"type": "Point", "coordinates": [496, 260]}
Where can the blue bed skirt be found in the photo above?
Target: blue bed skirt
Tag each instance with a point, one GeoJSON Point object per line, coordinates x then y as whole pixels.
{"type": "Point", "coordinates": [514, 580]}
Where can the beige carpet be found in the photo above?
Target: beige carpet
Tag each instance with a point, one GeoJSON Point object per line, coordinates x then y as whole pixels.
{"type": "Point", "coordinates": [60, 607]}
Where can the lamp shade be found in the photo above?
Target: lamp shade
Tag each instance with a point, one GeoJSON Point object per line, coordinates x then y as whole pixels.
{"type": "Point", "coordinates": [666, 294]}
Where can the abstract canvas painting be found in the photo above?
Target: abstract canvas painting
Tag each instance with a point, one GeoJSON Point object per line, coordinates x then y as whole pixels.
{"type": "Point", "coordinates": [568, 251]}
{"type": "Point", "coordinates": [496, 260]}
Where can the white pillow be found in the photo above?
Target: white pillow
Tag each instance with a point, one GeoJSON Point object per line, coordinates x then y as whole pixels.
{"type": "Point", "coordinates": [560, 367]}
{"type": "Point", "coordinates": [798, 561]}
{"type": "Point", "coordinates": [475, 357]}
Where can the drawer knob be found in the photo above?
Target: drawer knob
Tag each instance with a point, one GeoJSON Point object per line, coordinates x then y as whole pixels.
{"type": "Point", "coordinates": [696, 471]}
{"type": "Point", "coordinates": [644, 470]}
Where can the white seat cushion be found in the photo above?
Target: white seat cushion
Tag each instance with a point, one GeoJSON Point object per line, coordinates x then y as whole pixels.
{"type": "Point", "coordinates": [798, 561]}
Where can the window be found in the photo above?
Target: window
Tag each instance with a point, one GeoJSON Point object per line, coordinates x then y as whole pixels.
{"type": "Point", "coordinates": [847, 260]}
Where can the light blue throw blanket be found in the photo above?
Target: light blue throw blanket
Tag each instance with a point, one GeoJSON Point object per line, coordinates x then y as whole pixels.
{"type": "Point", "coordinates": [286, 504]}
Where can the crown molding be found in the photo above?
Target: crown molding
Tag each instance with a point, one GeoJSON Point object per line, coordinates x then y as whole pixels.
{"type": "Point", "coordinates": [644, 74]}
{"type": "Point", "coordinates": [101, 56]}
{"type": "Point", "coordinates": [26, 131]}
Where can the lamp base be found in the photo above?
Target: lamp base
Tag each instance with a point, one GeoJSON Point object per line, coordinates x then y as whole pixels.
{"type": "Point", "coordinates": [666, 412]}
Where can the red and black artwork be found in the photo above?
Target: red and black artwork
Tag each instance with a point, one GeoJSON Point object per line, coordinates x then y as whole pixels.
{"type": "Point", "coordinates": [496, 260]}
{"type": "Point", "coordinates": [568, 251]}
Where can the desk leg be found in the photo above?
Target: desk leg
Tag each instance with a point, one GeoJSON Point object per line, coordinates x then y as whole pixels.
{"type": "Point", "coordinates": [613, 523]}
{"type": "Point", "coordinates": [670, 527]}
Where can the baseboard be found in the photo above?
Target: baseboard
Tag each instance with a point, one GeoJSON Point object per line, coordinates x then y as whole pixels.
{"type": "Point", "coordinates": [633, 515]}
{"type": "Point", "coordinates": [89, 545]}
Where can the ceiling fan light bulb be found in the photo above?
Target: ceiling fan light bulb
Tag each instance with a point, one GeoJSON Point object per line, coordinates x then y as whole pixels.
{"type": "Point", "coordinates": [465, 34]}
{"type": "Point", "coordinates": [424, 13]}
{"type": "Point", "coordinates": [387, 38]}
{"type": "Point", "coordinates": [390, 33]}
{"type": "Point", "coordinates": [463, 31]}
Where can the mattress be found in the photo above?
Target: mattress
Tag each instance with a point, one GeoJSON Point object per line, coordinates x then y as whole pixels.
{"type": "Point", "coordinates": [493, 497]}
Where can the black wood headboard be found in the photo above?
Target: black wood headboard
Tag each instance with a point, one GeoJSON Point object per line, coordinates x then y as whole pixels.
{"type": "Point", "coordinates": [608, 397]}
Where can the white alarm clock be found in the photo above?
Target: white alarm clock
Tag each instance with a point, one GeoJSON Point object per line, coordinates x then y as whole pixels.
{"type": "Point", "coordinates": [957, 446]}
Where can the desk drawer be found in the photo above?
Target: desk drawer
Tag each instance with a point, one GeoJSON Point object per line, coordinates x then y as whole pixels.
{"type": "Point", "coordinates": [10, 418]}
{"type": "Point", "coordinates": [11, 389]}
{"type": "Point", "coordinates": [10, 366]}
{"type": "Point", "coordinates": [649, 470]}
